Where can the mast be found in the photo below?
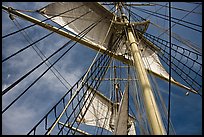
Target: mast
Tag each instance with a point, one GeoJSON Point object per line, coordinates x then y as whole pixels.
{"type": "Point", "coordinates": [86, 43]}
{"type": "Point", "coordinates": [153, 114]}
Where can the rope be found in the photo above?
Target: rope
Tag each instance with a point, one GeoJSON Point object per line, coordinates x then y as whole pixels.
{"type": "Point", "coordinates": [41, 21]}
{"type": "Point", "coordinates": [89, 104]}
{"type": "Point", "coordinates": [15, 83]}
{"type": "Point", "coordinates": [84, 102]}
{"type": "Point", "coordinates": [169, 98]}
{"type": "Point", "coordinates": [178, 8]}
{"type": "Point", "coordinates": [145, 11]}
{"type": "Point", "coordinates": [65, 95]}
{"type": "Point", "coordinates": [49, 34]}
{"type": "Point", "coordinates": [133, 13]}
{"type": "Point", "coordinates": [179, 38]}
{"type": "Point", "coordinates": [70, 99]}
{"type": "Point", "coordinates": [20, 79]}
{"type": "Point", "coordinates": [116, 41]}
{"type": "Point", "coordinates": [188, 78]}
{"type": "Point", "coordinates": [173, 17]}
{"type": "Point", "coordinates": [29, 39]}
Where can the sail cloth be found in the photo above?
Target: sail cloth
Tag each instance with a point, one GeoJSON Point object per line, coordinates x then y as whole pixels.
{"type": "Point", "coordinates": [151, 61]}
{"type": "Point", "coordinates": [101, 113]}
{"type": "Point", "coordinates": [98, 36]}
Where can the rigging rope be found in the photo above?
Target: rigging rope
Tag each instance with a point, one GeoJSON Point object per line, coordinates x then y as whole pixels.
{"type": "Point", "coordinates": [102, 44]}
{"type": "Point", "coordinates": [96, 63]}
{"type": "Point", "coordinates": [34, 128]}
{"type": "Point", "coordinates": [75, 85]}
{"type": "Point", "coordinates": [156, 11]}
{"type": "Point", "coordinates": [82, 117]}
{"type": "Point", "coordinates": [145, 11]}
{"type": "Point", "coordinates": [26, 36]}
{"type": "Point", "coordinates": [154, 85]}
{"type": "Point", "coordinates": [19, 80]}
{"type": "Point", "coordinates": [194, 3]}
{"type": "Point", "coordinates": [177, 8]}
{"type": "Point", "coordinates": [195, 60]}
{"type": "Point", "coordinates": [133, 13]}
{"type": "Point", "coordinates": [172, 17]}
{"type": "Point", "coordinates": [116, 42]}
{"type": "Point", "coordinates": [49, 34]}
{"type": "Point", "coordinates": [63, 98]}
{"type": "Point", "coordinates": [95, 87]}
{"type": "Point", "coordinates": [186, 42]}
{"type": "Point", "coordinates": [41, 21]}
{"type": "Point", "coordinates": [15, 83]}
{"type": "Point", "coordinates": [188, 78]}
{"type": "Point", "coordinates": [179, 38]}
{"type": "Point", "coordinates": [169, 98]}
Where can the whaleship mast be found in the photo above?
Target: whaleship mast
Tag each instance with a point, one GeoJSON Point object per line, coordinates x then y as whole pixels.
{"type": "Point", "coordinates": [115, 38]}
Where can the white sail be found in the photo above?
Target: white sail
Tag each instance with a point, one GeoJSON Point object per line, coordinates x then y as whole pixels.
{"type": "Point", "coordinates": [99, 113]}
{"type": "Point", "coordinates": [94, 13]}
{"type": "Point", "coordinates": [98, 35]}
{"type": "Point", "coordinates": [151, 61]}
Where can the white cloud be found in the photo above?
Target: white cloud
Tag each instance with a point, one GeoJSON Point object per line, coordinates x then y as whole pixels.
{"type": "Point", "coordinates": [18, 120]}
{"type": "Point", "coordinates": [23, 114]}
{"type": "Point", "coordinates": [4, 86]}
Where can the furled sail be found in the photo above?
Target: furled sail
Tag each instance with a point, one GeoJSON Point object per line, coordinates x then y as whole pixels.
{"type": "Point", "coordinates": [101, 113]}
{"type": "Point", "coordinates": [106, 31]}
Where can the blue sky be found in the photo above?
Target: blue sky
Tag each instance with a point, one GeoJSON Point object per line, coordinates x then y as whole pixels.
{"type": "Point", "coordinates": [186, 111]}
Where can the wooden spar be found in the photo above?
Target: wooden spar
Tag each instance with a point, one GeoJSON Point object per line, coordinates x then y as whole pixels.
{"type": "Point", "coordinates": [83, 42]}
{"type": "Point", "coordinates": [133, 47]}
{"type": "Point", "coordinates": [67, 35]}
{"type": "Point", "coordinates": [153, 114]}
{"type": "Point", "coordinates": [154, 118]}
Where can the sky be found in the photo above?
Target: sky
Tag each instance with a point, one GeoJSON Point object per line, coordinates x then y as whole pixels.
{"type": "Point", "coordinates": [186, 111]}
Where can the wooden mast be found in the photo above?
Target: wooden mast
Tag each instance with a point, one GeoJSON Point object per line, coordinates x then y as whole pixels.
{"type": "Point", "coordinates": [85, 43]}
{"type": "Point", "coordinates": [153, 114]}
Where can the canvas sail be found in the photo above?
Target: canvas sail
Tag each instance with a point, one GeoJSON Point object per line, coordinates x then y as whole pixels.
{"type": "Point", "coordinates": [102, 113]}
{"type": "Point", "coordinates": [97, 34]}
{"type": "Point", "coordinates": [106, 31]}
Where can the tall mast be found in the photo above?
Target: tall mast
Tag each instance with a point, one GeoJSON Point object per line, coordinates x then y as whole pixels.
{"type": "Point", "coordinates": [153, 114]}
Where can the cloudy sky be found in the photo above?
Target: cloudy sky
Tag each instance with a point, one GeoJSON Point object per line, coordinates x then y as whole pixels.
{"type": "Point", "coordinates": [186, 111]}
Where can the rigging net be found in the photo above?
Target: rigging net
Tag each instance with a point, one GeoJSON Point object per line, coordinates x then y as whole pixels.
{"type": "Point", "coordinates": [55, 110]}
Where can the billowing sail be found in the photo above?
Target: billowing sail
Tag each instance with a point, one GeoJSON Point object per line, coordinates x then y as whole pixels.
{"type": "Point", "coordinates": [151, 61]}
{"type": "Point", "coordinates": [90, 13]}
{"type": "Point", "coordinates": [105, 32]}
{"type": "Point", "coordinates": [101, 113]}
